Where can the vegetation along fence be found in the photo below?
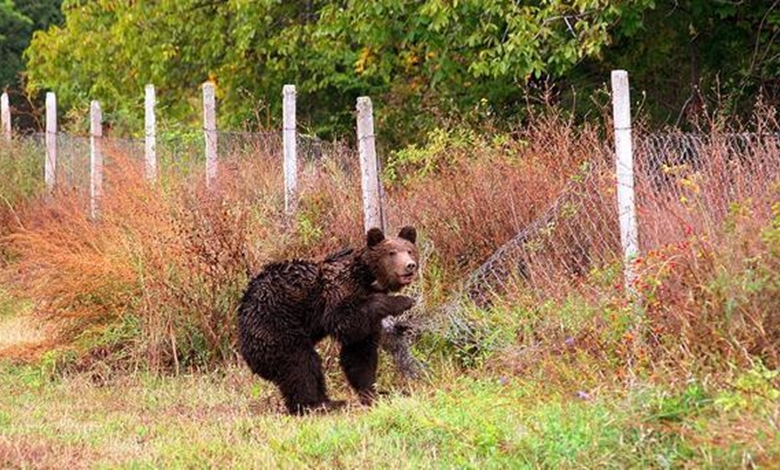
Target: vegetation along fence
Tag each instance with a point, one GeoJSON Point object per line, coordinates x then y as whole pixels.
{"type": "Point", "coordinates": [647, 191]}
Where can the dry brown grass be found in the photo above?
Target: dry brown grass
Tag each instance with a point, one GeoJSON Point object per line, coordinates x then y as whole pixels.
{"type": "Point", "coordinates": [163, 254]}
{"type": "Point", "coordinates": [40, 452]}
{"type": "Point", "coordinates": [158, 276]}
{"type": "Point", "coordinates": [24, 338]}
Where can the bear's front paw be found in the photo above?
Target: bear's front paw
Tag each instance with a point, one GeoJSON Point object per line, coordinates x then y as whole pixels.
{"type": "Point", "coordinates": [403, 303]}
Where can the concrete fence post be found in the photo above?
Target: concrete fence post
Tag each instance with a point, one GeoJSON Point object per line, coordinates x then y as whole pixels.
{"type": "Point", "coordinates": [50, 164]}
{"type": "Point", "coordinates": [5, 116]}
{"type": "Point", "coordinates": [372, 202]}
{"type": "Point", "coordinates": [624, 163]}
{"type": "Point", "coordinates": [289, 136]}
{"type": "Point", "coordinates": [95, 159]}
{"type": "Point", "coordinates": [150, 134]}
{"type": "Point", "coordinates": [210, 132]}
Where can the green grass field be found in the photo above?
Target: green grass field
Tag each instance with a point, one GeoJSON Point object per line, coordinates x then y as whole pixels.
{"type": "Point", "coordinates": [478, 419]}
{"type": "Point", "coordinates": [226, 419]}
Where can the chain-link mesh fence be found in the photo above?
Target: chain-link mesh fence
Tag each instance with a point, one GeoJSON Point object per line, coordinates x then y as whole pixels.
{"type": "Point", "coordinates": [181, 153]}
{"type": "Point", "coordinates": [577, 232]}
{"type": "Point", "coordinates": [685, 184]}
{"type": "Point", "coordinates": [688, 183]}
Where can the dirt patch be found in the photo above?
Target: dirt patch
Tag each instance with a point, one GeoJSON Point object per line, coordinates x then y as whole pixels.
{"type": "Point", "coordinates": [23, 337]}
{"type": "Point", "coordinates": [39, 452]}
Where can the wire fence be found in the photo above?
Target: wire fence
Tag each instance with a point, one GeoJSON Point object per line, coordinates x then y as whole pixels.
{"type": "Point", "coordinates": [577, 232]}
{"type": "Point", "coordinates": [180, 154]}
{"type": "Point", "coordinates": [686, 184]}
{"type": "Point", "coordinates": [689, 183]}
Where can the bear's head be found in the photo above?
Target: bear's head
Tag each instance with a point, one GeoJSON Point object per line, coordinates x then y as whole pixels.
{"type": "Point", "coordinates": [391, 260]}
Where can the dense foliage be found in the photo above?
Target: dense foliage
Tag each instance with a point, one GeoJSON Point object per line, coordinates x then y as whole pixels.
{"type": "Point", "coordinates": [433, 56]}
{"type": "Point", "coordinates": [18, 20]}
{"type": "Point", "coordinates": [694, 56]}
{"type": "Point", "coordinates": [423, 62]}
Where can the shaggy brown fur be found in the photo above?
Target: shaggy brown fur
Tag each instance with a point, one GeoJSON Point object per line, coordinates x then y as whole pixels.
{"type": "Point", "coordinates": [290, 306]}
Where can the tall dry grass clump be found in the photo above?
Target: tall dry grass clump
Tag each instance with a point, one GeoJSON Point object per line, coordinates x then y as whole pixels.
{"type": "Point", "coordinates": [710, 303]}
{"type": "Point", "coordinates": [21, 178]}
{"type": "Point", "coordinates": [152, 280]}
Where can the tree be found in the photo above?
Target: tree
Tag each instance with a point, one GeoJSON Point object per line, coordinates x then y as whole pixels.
{"type": "Point", "coordinates": [420, 60]}
{"type": "Point", "coordinates": [689, 54]}
{"type": "Point", "coordinates": [15, 31]}
{"type": "Point", "coordinates": [434, 58]}
{"type": "Point", "coordinates": [18, 21]}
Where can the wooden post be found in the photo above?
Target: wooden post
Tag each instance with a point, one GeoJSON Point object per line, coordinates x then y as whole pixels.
{"type": "Point", "coordinates": [95, 159]}
{"type": "Point", "coordinates": [5, 116]}
{"type": "Point", "coordinates": [150, 134]}
{"type": "Point", "coordinates": [50, 165]}
{"type": "Point", "coordinates": [372, 207]}
{"type": "Point", "coordinates": [210, 132]}
{"type": "Point", "coordinates": [289, 136]}
{"type": "Point", "coordinates": [624, 162]}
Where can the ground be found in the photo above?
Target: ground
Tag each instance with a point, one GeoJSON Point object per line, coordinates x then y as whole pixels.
{"type": "Point", "coordinates": [22, 337]}
{"type": "Point", "coordinates": [479, 419]}
{"type": "Point", "coordinates": [222, 419]}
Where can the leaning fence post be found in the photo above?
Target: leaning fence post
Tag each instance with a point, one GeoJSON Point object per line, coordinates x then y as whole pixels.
{"type": "Point", "coordinates": [5, 116]}
{"type": "Point", "coordinates": [50, 165]}
{"type": "Point", "coordinates": [372, 207]}
{"type": "Point", "coordinates": [289, 137]}
{"type": "Point", "coordinates": [95, 159]}
{"type": "Point", "coordinates": [621, 107]}
{"type": "Point", "coordinates": [150, 134]}
{"type": "Point", "coordinates": [210, 132]}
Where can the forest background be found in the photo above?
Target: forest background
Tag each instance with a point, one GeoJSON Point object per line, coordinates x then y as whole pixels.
{"type": "Point", "coordinates": [425, 63]}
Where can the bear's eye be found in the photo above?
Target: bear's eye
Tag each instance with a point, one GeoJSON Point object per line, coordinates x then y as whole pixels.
{"type": "Point", "coordinates": [393, 253]}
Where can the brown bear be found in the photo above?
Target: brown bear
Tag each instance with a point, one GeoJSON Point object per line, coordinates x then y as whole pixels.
{"type": "Point", "coordinates": [291, 305]}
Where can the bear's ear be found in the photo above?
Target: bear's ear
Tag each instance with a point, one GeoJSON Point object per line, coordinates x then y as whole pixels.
{"type": "Point", "coordinates": [374, 237]}
{"type": "Point", "coordinates": [408, 233]}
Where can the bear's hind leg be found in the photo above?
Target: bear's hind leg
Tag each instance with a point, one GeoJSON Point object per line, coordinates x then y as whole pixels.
{"type": "Point", "coordinates": [302, 382]}
{"type": "Point", "coordinates": [359, 360]}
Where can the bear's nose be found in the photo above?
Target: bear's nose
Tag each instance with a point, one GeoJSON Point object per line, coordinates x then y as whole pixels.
{"type": "Point", "coordinates": [411, 267]}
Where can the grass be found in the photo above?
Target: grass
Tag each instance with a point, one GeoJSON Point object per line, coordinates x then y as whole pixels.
{"type": "Point", "coordinates": [228, 419]}
{"type": "Point", "coordinates": [21, 334]}
{"type": "Point", "coordinates": [564, 411]}
{"type": "Point", "coordinates": [19, 165]}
